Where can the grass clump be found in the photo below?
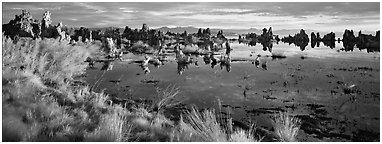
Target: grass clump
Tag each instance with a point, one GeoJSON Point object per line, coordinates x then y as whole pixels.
{"type": "Point", "coordinates": [206, 126]}
{"type": "Point", "coordinates": [113, 127]}
{"type": "Point", "coordinates": [286, 127]}
{"type": "Point", "coordinates": [166, 98]}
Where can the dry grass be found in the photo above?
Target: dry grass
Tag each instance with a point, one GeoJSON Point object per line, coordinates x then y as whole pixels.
{"type": "Point", "coordinates": [204, 126]}
{"type": "Point", "coordinates": [286, 127]}
{"type": "Point", "coordinates": [244, 136]}
{"type": "Point", "coordinates": [112, 128]}
{"type": "Point", "coordinates": [53, 61]}
{"type": "Point", "coordinates": [166, 98]}
{"type": "Point", "coordinates": [39, 99]}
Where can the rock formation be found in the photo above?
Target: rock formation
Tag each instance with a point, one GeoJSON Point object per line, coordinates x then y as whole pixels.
{"type": "Point", "coordinates": [50, 31]}
{"type": "Point", "coordinates": [144, 28]}
{"type": "Point", "coordinates": [83, 34]}
{"type": "Point", "coordinates": [318, 37]}
{"type": "Point", "coordinates": [329, 39]}
{"type": "Point", "coordinates": [23, 26]}
{"type": "Point", "coordinates": [313, 36]}
{"type": "Point", "coordinates": [348, 36]}
{"type": "Point", "coordinates": [46, 30]}
{"type": "Point", "coordinates": [300, 39]}
{"type": "Point", "coordinates": [199, 34]}
{"type": "Point", "coordinates": [96, 34]}
{"type": "Point", "coordinates": [315, 39]}
{"type": "Point", "coordinates": [267, 35]}
{"type": "Point", "coordinates": [369, 42]}
{"type": "Point", "coordinates": [60, 33]}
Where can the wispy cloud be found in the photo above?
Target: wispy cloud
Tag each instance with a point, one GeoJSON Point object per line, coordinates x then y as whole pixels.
{"type": "Point", "coordinates": [231, 10]}
{"type": "Point", "coordinates": [97, 9]}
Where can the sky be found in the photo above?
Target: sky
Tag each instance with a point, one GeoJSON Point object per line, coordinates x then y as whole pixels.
{"type": "Point", "coordinates": [329, 16]}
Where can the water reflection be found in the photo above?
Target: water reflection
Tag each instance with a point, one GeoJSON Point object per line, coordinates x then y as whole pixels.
{"type": "Point", "coordinates": [225, 61]}
{"type": "Point", "coordinates": [314, 44]}
{"type": "Point", "coordinates": [107, 66]}
{"type": "Point", "coordinates": [267, 45]}
{"type": "Point", "coordinates": [264, 65]}
{"type": "Point", "coordinates": [182, 67]}
{"type": "Point", "coordinates": [348, 46]}
{"type": "Point", "coordinates": [219, 53]}
{"type": "Point", "coordinates": [330, 44]}
{"type": "Point", "coordinates": [302, 44]}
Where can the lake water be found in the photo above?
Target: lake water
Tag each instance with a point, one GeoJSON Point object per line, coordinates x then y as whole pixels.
{"type": "Point", "coordinates": [309, 84]}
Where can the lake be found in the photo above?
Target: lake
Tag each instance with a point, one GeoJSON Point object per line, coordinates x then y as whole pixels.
{"type": "Point", "coordinates": [334, 92]}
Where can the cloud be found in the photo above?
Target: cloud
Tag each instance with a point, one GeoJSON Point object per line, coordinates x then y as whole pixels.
{"type": "Point", "coordinates": [313, 15]}
{"type": "Point", "coordinates": [231, 10]}
{"type": "Point", "coordinates": [97, 9]}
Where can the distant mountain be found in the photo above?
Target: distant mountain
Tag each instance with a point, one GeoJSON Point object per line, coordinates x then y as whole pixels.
{"type": "Point", "coordinates": [213, 31]}
{"type": "Point", "coordinates": [178, 29]}
{"type": "Point", "coordinates": [103, 29]}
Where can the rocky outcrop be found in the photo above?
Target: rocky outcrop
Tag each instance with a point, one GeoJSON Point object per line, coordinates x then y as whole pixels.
{"type": "Point", "coordinates": [60, 33]}
{"type": "Point", "coordinates": [144, 28]}
{"type": "Point", "coordinates": [150, 36]}
{"type": "Point", "coordinates": [267, 35]}
{"type": "Point", "coordinates": [96, 34]}
{"type": "Point", "coordinates": [300, 39]}
{"type": "Point", "coordinates": [329, 39]}
{"type": "Point", "coordinates": [112, 50]}
{"type": "Point", "coordinates": [369, 42]}
{"type": "Point", "coordinates": [199, 34]}
{"type": "Point", "coordinates": [265, 39]}
{"type": "Point", "coordinates": [315, 39]}
{"type": "Point", "coordinates": [318, 37]}
{"type": "Point", "coordinates": [348, 40]}
{"type": "Point", "coordinates": [46, 30]}
{"type": "Point", "coordinates": [23, 26]}
{"type": "Point", "coordinates": [113, 33]}
{"type": "Point", "coordinates": [302, 36]}
{"type": "Point", "coordinates": [50, 31]}
{"type": "Point", "coordinates": [313, 36]}
{"type": "Point", "coordinates": [348, 36]}
{"type": "Point", "coordinates": [83, 34]}
{"type": "Point", "coordinates": [207, 33]}
{"type": "Point", "coordinates": [220, 34]}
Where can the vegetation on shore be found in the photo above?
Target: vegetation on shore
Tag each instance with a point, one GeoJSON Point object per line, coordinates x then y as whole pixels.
{"type": "Point", "coordinates": [44, 100]}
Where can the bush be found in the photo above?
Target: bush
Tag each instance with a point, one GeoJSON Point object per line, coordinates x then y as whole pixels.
{"type": "Point", "coordinates": [140, 47]}
{"type": "Point", "coordinates": [54, 61]}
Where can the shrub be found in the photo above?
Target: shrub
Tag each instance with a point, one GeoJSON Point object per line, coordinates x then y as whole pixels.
{"type": "Point", "coordinates": [140, 47]}
{"type": "Point", "coordinates": [54, 61]}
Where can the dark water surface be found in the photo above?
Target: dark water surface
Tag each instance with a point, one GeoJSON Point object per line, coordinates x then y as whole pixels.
{"type": "Point", "coordinates": [309, 84]}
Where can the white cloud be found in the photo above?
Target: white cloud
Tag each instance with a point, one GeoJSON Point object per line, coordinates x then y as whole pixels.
{"type": "Point", "coordinates": [97, 9]}
{"type": "Point", "coordinates": [129, 11]}
{"type": "Point", "coordinates": [231, 10]}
